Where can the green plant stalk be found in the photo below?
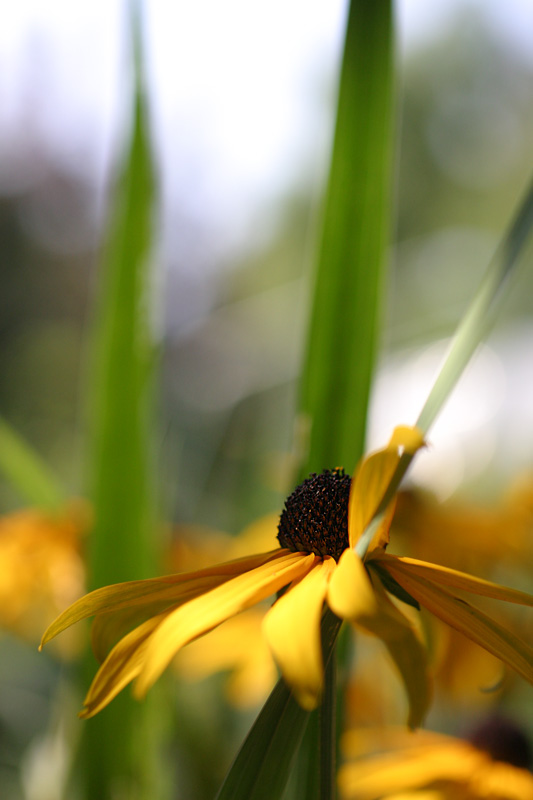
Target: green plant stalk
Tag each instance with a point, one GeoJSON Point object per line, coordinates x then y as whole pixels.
{"type": "Point", "coordinates": [328, 732]}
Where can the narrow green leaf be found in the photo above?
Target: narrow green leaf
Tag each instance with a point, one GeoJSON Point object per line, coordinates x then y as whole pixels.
{"type": "Point", "coordinates": [263, 764]}
{"type": "Point", "coordinates": [28, 473]}
{"type": "Point", "coordinates": [350, 269]}
{"type": "Point", "coordinates": [475, 325]}
{"type": "Point", "coordinates": [483, 310]}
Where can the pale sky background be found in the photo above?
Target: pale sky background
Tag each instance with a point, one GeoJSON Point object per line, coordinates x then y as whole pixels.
{"type": "Point", "coordinates": [237, 117]}
{"type": "Point", "coordinates": [233, 85]}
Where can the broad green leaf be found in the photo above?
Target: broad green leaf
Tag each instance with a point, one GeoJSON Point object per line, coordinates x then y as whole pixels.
{"type": "Point", "coordinates": [350, 267]}
{"type": "Point", "coordinates": [28, 473]}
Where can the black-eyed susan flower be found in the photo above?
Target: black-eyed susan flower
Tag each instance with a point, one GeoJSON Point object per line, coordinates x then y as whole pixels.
{"type": "Point", "coordinates": [492, 764]}
{"type": "Point", "coordinates": [139, 626]}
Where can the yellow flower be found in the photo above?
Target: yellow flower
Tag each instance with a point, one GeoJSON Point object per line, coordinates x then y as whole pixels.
{"type": "Point", "coordinates": [151, 620]}
{"type": "Point", "coordinates": [41, 568]}
{"type": "Point", "coordinates": [493, 765]}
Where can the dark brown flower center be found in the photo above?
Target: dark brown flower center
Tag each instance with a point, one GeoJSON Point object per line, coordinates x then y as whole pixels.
{"type": "Point", "coordinates": [315, 517]}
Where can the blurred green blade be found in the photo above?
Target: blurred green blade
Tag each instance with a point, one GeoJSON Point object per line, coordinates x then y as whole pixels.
{"type": "Point", "coordinates": [27, 472]}
{"type": "Point", "coordinates": [342, 336]}
{"type": "Point", "coordinates": [121, 386]}
{"type": "Point", "coordinates": [119, 746]}
{"type": "Point", "coordinates": [482, 312]}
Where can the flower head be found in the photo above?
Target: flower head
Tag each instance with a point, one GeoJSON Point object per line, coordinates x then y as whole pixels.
{"type": "Point", "coordinates": [139, 626]}
{"type": "Point", "coordinates": [41, 568]}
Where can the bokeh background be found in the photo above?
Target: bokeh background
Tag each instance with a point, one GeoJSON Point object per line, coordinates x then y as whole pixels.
{"type": "Point", "coordinates": [242, 100]}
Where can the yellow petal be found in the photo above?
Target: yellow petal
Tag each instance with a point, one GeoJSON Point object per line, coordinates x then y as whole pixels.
{"type": "Point", "coordinates": [121, 666]}
{"type": "Point", "coordinates": [208, 610]}
{"type": "Point", "coordinates": [371, 482]}
{"type": "Point", "coordinates": [353, 596]}
{"type": "Point", "coordinates": [446, 576]}
{"type": "Point", "coordinates": [169, 587]}
{"type": "Point", "coordinates": [292, 629]}
{"type": "Point", "coordinates": [407, 652]}
{"type": "Point", "coordinates": [350, 594]}
{"type": "Point", "coordinates": [468, 620]}
{"type": "Point", "coordinates": [408, 438]}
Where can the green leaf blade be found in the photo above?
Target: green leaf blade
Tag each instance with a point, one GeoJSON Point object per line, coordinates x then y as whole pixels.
{"type": "Point", "coordinates": [350, 270]}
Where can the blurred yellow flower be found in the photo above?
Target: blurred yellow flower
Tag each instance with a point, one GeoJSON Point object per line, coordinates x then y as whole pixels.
{"type": "Point", "coordinates": [238, 647]}
{"type": "Point", "coordinates": [473, 536]}
{"type": "Point", "coordinates": [41, 567]}
{"type": "Point", "coordinates": [322, 522]}
{"type": "Point", "coordinates": [458, 531]}
{"type": "Point", "coordinates": [493, 765]}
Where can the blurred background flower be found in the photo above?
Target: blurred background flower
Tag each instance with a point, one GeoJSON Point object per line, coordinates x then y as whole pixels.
{"type": "Point", "coordinates": [494, 762]}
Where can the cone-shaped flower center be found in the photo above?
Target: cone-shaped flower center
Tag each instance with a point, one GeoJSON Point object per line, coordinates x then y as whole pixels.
{"type": "Point", "coordinates": [315, 517]}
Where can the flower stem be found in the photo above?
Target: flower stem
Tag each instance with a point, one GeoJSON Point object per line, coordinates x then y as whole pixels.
{"type": "Point", "coordinates": [328, 738]}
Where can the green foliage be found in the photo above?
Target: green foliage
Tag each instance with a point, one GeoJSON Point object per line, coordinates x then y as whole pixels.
{"type": "Point", "coordinates": [27, 472]}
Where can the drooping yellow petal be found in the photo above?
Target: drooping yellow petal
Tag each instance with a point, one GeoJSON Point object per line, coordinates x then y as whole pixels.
{"type": "Point", "coordinates": [406, 650]}
{"type": "Point", "coordinates": [169, 587]}
{"type": "Point", "coordinates": [208, 610]}
{"type": "Point", "coordinates": [372, 480]}
{"type": "Point", "coordinates": [445, 576]}
{"type": "Point", "coordinates": [352, 595]}
{"type": "Point", "coordinates": [473, 623]}
{"type": "Point", "coordinates": [292, 629]}
{"type": "Point", "coordinates": [121, 666]}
